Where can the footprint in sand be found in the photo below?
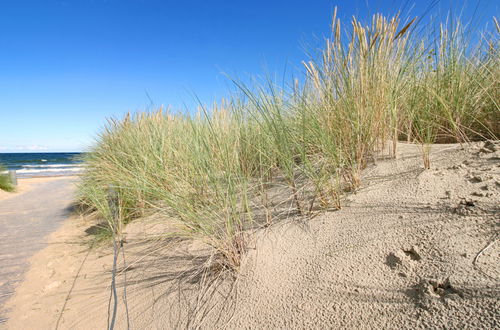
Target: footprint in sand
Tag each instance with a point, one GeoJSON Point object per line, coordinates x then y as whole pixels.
{"type": "Point", "coordinates": [429, 291]}
{"type": "Point", "coordinates": [404, 260]}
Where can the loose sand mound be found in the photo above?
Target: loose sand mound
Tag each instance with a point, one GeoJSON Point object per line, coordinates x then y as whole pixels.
{"type": "Point", "coordinates": [411, 249]}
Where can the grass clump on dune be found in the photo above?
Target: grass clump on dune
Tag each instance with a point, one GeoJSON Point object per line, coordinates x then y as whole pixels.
{"type": "Point", "coordinates": [269, 152]}
{"type": "Point", "coordinates": [5, 183]}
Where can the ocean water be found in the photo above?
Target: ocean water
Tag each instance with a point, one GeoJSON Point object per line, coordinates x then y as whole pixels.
{"type": "Point", "coordinates": [43, 164]}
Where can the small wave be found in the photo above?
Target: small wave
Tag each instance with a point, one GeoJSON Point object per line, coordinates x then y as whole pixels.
{"type": "Point", "coordinates": [49, 170]}
{"type": "Point", "coordinates": [54, 165]}
{"type": "Point", "coordinates": [43, 160]}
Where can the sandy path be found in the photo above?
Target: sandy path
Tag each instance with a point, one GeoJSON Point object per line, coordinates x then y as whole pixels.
{"type": "Point", "coordinates": [25, 221]}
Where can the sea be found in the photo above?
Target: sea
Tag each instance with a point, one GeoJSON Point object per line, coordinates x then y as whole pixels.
{"type": "Point", "coordinates": [31, 164]}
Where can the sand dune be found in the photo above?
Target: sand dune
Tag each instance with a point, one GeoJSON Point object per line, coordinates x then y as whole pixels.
{"type": "Point", "coordinates": [412, 248]}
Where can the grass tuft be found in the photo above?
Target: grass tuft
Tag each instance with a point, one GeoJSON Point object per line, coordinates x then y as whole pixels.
{"type": "Point", "coordinates": [5, 183]}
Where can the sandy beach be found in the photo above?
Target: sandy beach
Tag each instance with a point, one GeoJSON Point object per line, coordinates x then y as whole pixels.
{"type": "Point", "coordinates": [412, 248]}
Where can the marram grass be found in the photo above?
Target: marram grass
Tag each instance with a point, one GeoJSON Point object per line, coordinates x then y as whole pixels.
{"type": "Point", "coordinates": [5, 183]}
{"type": "Point", "coordinates": [269, 152]}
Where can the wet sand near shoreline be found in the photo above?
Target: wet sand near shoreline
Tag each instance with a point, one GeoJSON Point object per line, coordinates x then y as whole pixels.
{"type": "Point", "coordinates": [27, 217]}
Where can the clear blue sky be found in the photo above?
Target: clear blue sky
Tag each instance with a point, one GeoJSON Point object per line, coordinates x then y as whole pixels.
{"type": "Point", "coordinates": [67, 65]}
